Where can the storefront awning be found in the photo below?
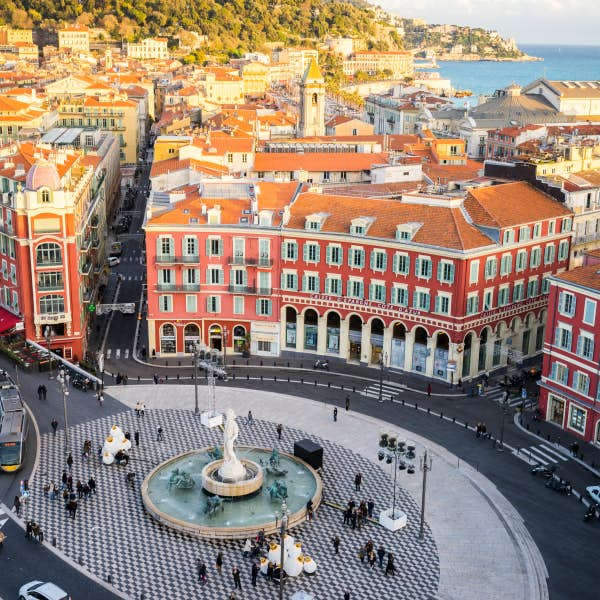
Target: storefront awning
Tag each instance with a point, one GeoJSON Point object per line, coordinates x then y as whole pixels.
{"type": "Point", "coordinates": [8, 321]}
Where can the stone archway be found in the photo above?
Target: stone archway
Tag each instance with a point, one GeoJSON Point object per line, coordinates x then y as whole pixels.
{"type": "Point", "coordinates": [482, 357]}
{"type": "Point", "coordinates": [291, 317]}
{"type": "Point", "coordinates": [377, 329]}
{"type": "Point", "coordinates": [420, 351]}
{"type": "Point", "coordinates": [191, 337]}
{"type": "Point", "coordinates": [311, 329]}
{"type": "Point", "coordinates": [332, 345]}
{"type": "Point", "coordinates": [440, 356]}
{"type": "Point", "coordinates": [168, 339]}
{"type": "Point", "coordinates": [466, 366]}
{"type": "Point", "coordinates": [398, 346]}
{"type": "Point", "coordinates": [239, 338]}
{"type": "Point", "coordinates": [355, 326]}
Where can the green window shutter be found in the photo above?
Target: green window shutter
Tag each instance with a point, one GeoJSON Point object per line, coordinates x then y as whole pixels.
{"type": "Point", "coordinates": [440, 270]}
{"type": "Point", "coordinates": [396, 263]}
{"type": "Point", "coordinates": [429, 268]}
{"type": "Point", "coordinates": [158, 245]}
{"type": "Point", "coordinates": [283, 277]}
{"type": "Point", "coordinates": [362, 258]}
{"type": "Point", "coordinates": [258, 307]}
{"type": "Point", "coordinates": [207, 247]}
{"type": "Point", "coordinates": [317, 285]}
{"type": "Point", "coordinates": [371, 292]}
{"type": "Point", "coordinates": [295, 250]}
{"type": "Point", "coordinates": [284, 250]}
{"type": "Point", "coordinates": [305, 252]}
{"type": "Point", "coordinates": [269, 307]}
{"type": "Point", "coordinates": [350, 256]}
{"type": "Point", "coordinates": [452, 273]}
{"type": "Point", "coordinates": [362, 289]}
{"type": "Point", "coordinates": [244, 278]}
{"type": "Point", "coordinates": [372, 260]}
{"type": "Point", "coordinates": [437, 304]}
{"type": "Point", "coordinates": [222, 276]}
{"type": "Point", "coordinates": [327, 280]}
{"type": "Point", "coordinates": [318, 253]}
{"type": "Point", "coordinates": [207, 275]}
{"type": "Point", "coordinates": [384, 263]}
{"type": "Point", "coordinates": [418, 267]}
{"type": "Point", "coordinates": [328, 255]}
{"type": "Point", "coordinates": [304, 283]}
{"type": "Point", "coordinates": [415, 299]}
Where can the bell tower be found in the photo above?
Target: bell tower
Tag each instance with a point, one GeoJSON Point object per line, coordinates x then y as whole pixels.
{"type": "Point", "coordinates": [312, 102]}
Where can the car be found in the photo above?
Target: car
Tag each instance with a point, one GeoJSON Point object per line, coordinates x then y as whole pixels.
{"type": "Point", "coordinates": [116, 249]}
{"type": "Point", "coordinates": [594, 492]}
{"type": "Point", "coordinates": [113, 261]}
{"type": "Point", "coordinates": [38, 590]}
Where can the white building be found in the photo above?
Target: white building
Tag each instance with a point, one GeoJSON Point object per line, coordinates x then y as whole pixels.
{"type": "Point", "coordinates": [149, 49]}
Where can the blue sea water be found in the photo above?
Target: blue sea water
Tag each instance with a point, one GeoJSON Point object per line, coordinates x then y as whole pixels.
{"type": "Point", "coordinates": [559, 63]}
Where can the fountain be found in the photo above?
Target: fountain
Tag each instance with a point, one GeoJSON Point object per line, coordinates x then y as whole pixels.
{"type": "Point", "coordinates": [241, 489]}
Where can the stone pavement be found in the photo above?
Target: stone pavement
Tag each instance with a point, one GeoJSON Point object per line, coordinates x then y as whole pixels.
{"type": "Point", "coordinates": [475, 540]}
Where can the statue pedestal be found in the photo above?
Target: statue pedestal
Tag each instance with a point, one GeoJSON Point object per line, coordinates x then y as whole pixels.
{"type": "Point", "coordinates": [211, 421]}
{"type": "Point", "coordinates": [390, 521]}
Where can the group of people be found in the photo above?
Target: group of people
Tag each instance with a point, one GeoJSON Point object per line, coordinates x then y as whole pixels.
{"type": "Point", "coordinates": [122, 378]}
{"type": "Point", "coordinates": [42, 391]}
{"type": "Point", "coordinates": [368, 552]}
{"type": "Point", "coordinates": [356, 515]}
{"type": "Point", "coordinates": [481, 431]}
{"type": "Point", "coordinates": [33, 530]}
{"type": "Point", "coordinates": [235, 572]}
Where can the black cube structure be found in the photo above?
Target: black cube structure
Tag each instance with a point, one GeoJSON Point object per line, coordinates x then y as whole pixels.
{"type": "Point", "coordinates": [309, 452]}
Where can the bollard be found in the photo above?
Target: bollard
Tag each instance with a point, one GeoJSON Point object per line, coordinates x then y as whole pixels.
{"type": "Point", "coordinates": [166, 378]}
{"type": "Point", "coordinates": [178, 363]}
{"type": "Point", "coordinates": [402, 401]}
{"type": "Point", "coordinates": [177, 376]}
{"type": "Point", "coordinates": [581, 456]}
{"type": "Point", "coordinates": [191, 377]}
{"type": "Point", "coordinates": [301, 379]}
{"type": "Point", "coordinates": [261, 377]}
{"type": "Point", "coordinates": [109, 579]}
{"type": "Point", "coordinates": [527, 426]}
{"type": "Point", "coordinates": [454, 419]}
{"type": "Point", "coordinates": [466, 424]}
{"type": "Point", "coordinates": [548, 437]}
{"type": "Point", "coordinates": [166, 363]}
{"type": "Point", "coordinates": [353, 390]}
{"type": "Point", "coordinates": [538, 432]}
{"type": "Point", "coordinates": [301, 366]}
{"type": "Point", "coordinates": [274, 363]}
{"type": "Point", "coordinates": [428, 411]}
{"type": "Point", "coordinates": [54, 541]}
{"type": "Point", "coordinates": [342, 388]}
{"type": "Point", "coordinates": [261, 363]}
{"type": "Point", "coordinates": [233, 374]}
{"type": "Point", "coordinates": [329, 384]}
{"type": "Point", "coordinates": [138, 377]}
{"type": "Point", "coordinates": [315, 383]}
{"type": "Point", "coordinates": [288, 378]}
{"type": "Point", "coordinates": [233, 363]}
{"type": "Point", "coordinates": [247, 377]}
{"type": "Point", "coordinates": [80, 560]}
{"type": "Point", "coordinates": [288, 364]}
{"type": "Point", "coordinates": [441, 415]}
{"type": "Point", "coordinates": [247, 362]}
{"type": "Point", "coordinates": [416, 406]}
{"type": "Point", "coordinates": [274, 377]}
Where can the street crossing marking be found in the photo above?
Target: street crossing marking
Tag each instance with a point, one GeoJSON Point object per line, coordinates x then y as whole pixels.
{"type": "Point", "coordinates": [541, 453]}
{"type": "Point", "coordinates": [126, 355]}
{"type": "Point", "coordinates": [118, 353]}
{"type": "Point", "coordinates": [496, 394]}
{"type": "Point", "coordinates": [108, 353]}
{"type": "Point", "coordinates": [388, 389]}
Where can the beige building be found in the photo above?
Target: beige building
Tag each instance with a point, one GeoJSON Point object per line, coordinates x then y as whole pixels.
{"type": "Point", "coordinates": [573, 98]}
{"type": "Point", "coordinates": [9, 36]}
{"type": "Point", "coordinates": [372, 62]}
{"type": "Point", "coordinates": [255, 76]}
{"type": "Point", "coordinates": [76, 37]}
{"type": "Point", "coordinates": [149, 49]}
{"type": "Point", "coordinates": [298, 59]}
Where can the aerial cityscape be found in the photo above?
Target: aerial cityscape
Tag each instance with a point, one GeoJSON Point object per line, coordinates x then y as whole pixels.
{"type": "Point", "coordinates": [298, 300]}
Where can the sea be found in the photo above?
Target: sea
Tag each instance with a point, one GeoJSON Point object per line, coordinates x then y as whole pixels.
{"type": "Point", "coordinates": [572, 63]}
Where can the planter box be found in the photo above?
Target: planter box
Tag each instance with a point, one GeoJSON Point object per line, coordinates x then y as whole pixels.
{"type": "Point", "coordinates": [389, 522]}
{"type": "Point", "coordinates": [211, 421]}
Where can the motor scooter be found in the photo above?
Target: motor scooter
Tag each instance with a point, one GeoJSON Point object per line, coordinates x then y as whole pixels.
{"type": "Point", "coordinates": [543, 470]}
{"type": "Point", "coordinates": [590, 514]}
{"type": "Point", "coordinates": [321, 364]}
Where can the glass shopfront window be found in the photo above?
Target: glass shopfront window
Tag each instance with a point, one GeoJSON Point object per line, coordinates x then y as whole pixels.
{"type": "Point", "coordinates": [290, 335]}
{"type": "Point", "coordinates": [310, 337]}
{"type": "Point", "coordinates": [333, 339]}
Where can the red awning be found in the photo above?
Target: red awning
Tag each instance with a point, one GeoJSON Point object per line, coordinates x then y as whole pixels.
{"type": "Point", "coordinates": [8, 320]}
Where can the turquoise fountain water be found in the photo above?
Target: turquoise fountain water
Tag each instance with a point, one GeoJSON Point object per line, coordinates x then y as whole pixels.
{"type": "Point", "coordinates": [181, 507]}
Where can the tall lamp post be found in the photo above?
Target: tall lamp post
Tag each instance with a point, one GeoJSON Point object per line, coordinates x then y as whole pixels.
{"type": "Point", "coordinates": [395, 452]}
{"type": "Point", "coordinates": [49, 335]}
{"type": "Point", "coordinates": [64, 378]}
{"type": "Point", "coordinates": [425, 465]}
{"type": "Point", "coordinates": [196, 351]}
{"type": "Point", "coordinates": [282, 529]}
{"type": "Point", "coordinates": [382, 360]}
{"type": "Point", "coordinates": [225, 338]}
{"type": "Point", "coordinates": [500, 446]}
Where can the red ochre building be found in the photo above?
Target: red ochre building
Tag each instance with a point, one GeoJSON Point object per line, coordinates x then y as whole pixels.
{"type": "Point", "coordinates": [444, 286]}
{"type": "Point", "coordinates": [570, 392]}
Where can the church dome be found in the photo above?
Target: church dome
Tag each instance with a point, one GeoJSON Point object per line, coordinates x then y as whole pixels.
{"type": "Point", "coordinates": [42, 174]}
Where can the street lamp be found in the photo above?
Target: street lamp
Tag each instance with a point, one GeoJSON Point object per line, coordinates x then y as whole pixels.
{"type": "Point", "coordinates": [500, 446]}
{"type": "Point", "coordinates": [282, 529]}
{"type": "Point", "coordinates": [425, 464]}
{"type": "Point", "coordinates": [64, 378]}
{"type": "Point", "coordinates": [49, 335]}
{"type": "Point", "coordinates": [225, 336]}
{"type": "Point", "coordinates": [382, 360]}
{"type": "Point", "coordinates": [395, 452]}
{"type": "Point", "coordinates": [196, 350]}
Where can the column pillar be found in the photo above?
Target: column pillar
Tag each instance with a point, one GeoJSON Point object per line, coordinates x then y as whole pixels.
{"type": "Point", "coordinates": [489, 353]}
{"type": "Point", "coordinates": [365, 344]}
{"type": "Point", "coordinates": [475, 343]}
{"type": "Point", "coordinates": [387, 345]}
{"type": "Point", "coordinates": [299, 332]}
{"type": "Point", "coordinates": [344, 341]}
{"type": "Point", "coordinates": [431, 356]}
{"type": "Point", "coordinates": [321, 335]}
{"type": "Point", "coordinates": [151, 337]}
{"type": "Point", "coordinates": [408, 350]}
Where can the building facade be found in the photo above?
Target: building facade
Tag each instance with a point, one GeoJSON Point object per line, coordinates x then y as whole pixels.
{"type": "Point", "coordinates": [149, 49]}
{"type": "Point", "coordinates": [75, 37]}
{"type": "Point", "coordinates": [569, 389]}
{"type": "Point", "coordinates": [312, 102]}
{"type": "Point", "coordinates": [448, 287]}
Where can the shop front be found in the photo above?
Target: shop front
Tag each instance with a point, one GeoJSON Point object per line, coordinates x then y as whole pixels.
{"type": "Point", "coordinates": [264, 339]}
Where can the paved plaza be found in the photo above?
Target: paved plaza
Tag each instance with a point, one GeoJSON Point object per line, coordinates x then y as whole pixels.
{"type": "Point", "coordinates": [113, 536]}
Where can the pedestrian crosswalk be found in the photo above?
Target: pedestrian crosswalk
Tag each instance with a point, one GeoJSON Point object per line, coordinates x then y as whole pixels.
{"type": "Point", "coordinates": [117, 353]}
{"type": "Point", "coordinates": [389, 390]}
{"type": "Point", "coordinates": [3, 518]}
{"type": "Point", "coordinates": [545, 453]}
{"type": "Point", "coordinates": [496, 394]}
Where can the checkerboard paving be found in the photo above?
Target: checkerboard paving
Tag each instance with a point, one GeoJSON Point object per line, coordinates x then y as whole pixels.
{"type": "Point", "coordinates": [113, 536]}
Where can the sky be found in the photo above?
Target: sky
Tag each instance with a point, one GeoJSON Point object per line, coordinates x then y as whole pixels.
{"type": "Point", "coordinates": [528, 21]}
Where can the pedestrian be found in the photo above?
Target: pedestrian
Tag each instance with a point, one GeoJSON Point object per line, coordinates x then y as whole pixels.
{"type": "Point", "coordinates": [137, 409]}
{"type": "Point", "coordinates": [44, 391]}
{"type": "Point", "coordinates": [70, 461]}
{"type": "Point", "coordinates": [125, 378]}
{"type": "Point", "coordinates": [159, 434]}
{"type": "Point", "coordinates": [64, 480]}
{"type": "Point", "coordinates": [53, 490]}
{"type": "Point", "coordinates": [381, 555]}
{"type": "Point", "coordinates": [142, 410]}
{"type": "Point", "coordinates": [505, 397]}
{"type": "Point", "coordinates": [155, 377]}
{"type": "Point", "coordinates": [136, 437]}
{"type": "Point", "coordinates": [390, 569]}
{"type": "Point", "coordinates": [54, 425]}
{"type": "Point", "coordinates": [336, 544]}
{"type": "Point", "coordinates": [219, 562]}
{"type": "Point", "coordinates": [92, 485]}
{"type": "Point", "coordinates": [428, 389]}
{"type": "Point", "coordinates": [236, 578]}
{"type": "Point", "coordinates": [28, 528]}
{"type": "Point", "coordinates": [201, 572]}
{"type": "Point", "coordinates": [279, 430]}
{"type": "Point", "coordinates": [335, 414]}
{"type": "Point", "coordinates": [39, 392]}
{"type": "Point", "coordinates": [574, 448]}
{"type": "Point", "coordinates": [232, 596]}
{"type": "Point", "coordinates": [347, 403]}
{"type": "Point", "coordinates": [357, 481]}
{"type": "Point", "coordinates": [370, 508]}
{"type": "Point", "coordinates": [372, 559]}
{"type": "Point", "coordinates": [101, 399]}
{"type": "Point", "coordinates": [70, 483]}
{"type": "Point", "coordinates": [270, 570]}
{"type": "Point", "coordinates": [354, 519]}
{"type": "Point", "coordinates": [361, 554]}
{"type": "Point", "coordinates": [255, 570]}
{"type": "Point", "coordinates": [79, 488]}
{"type": "Point", "coordinates": [17, 506]}
{"type": "Point", "coordinates": [346, 595]}
{"type": "Point", "coordinates": [250, 418]}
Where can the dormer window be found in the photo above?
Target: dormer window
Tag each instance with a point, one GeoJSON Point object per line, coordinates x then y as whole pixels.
{"type": "Point", "coordinates": [360, 226]}
{"type": "Point", "coordinates": [44, 196]}
{"type": "Point", "coordinates": [315, 221]}
{"type": "Point", "coordinates": [265, 218]}
{"type": "Point", "coordinates": [312, 225]}
{"type": "Point", "coordinates": [214, 216]}
{"type": "Point", "coordinates": [406, 231]}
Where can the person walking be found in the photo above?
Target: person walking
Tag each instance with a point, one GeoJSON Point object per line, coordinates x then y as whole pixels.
{"type": "Point", "coordinates": [370, 508]}
{"type": "Point", "coordinates": [17, 506]}
{"type": "Point", "coordinates": [219, 562]}
{"type": "Point", "coordinates": [346, 595]}
{"type": "Point", "coordinates": [136, 437]}
{"type": "Point", "coordinates": [279, 430]}
{"type": "Point", "coordinates": [236, 578]}
{"type": "Point", "coordinates": [159, 434]}
{"type": "Point", "coordinates": [270, 570]}
{"type": "Point", "coordinates": [70, 461]}
{"type": "Point", "coordinates": [336, 544]}
{"type": "Point", "coordinates": [347, 403]}
{"type": "Point", "coordinates": [201, 572]}
{"type": "Point", "coordinates": [357, 481]}
{"type": "Point", "coordinates": [100, 399]}
{"type": "Point", "coordinates": [142, 410]}
{"type": "Point", "coordinates": [255, 570]}
{"type": "Point", "coordinates": [39, 392]}
{"type": "Point", "coordinates": [54, 425]}
{"type": "Point", "coordinates": [428, 390]}
{"type": "Point", "coordinates": [390, 569]}
{"type": "Point", "coordinates": [335, 414]}
{"type": "Point", "coordinates": [92, 485]}
{"type": "Point", "coordinates": [250, 418]}
{"type": "Point", "coordinates": [381, 555]}
{"type": "Point", "coordinates": [137, 409]}
{"type": "Point", "coordinates": [155, 377]}
{"type": "Point", "coordinates": [372, 558]}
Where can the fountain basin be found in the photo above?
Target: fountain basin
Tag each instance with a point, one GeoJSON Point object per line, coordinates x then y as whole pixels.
{"type": "Point", "coordinates": [213, 483]}
{"type": "Point", "coordinates": [240, 516]}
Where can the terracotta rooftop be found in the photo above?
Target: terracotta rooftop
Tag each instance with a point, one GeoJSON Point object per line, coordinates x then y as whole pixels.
{"type": "Point", "coordinates": [511, 204]}
{"type": "Point", "coordinates": [170, 165]}
{"type": "Point", "coordinates": [450, 173]}
{"type": "Point", "coordinates": [442, 226]}
{"type": "Point", "coordinates": [588, 277]}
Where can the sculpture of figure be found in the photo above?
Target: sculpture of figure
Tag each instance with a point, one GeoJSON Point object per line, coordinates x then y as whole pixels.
{"type": "Point", "coordinates": [274, 459]}
{"type": "Point", "coordinates": [277, 490]}
{"type": "Point", "coordinates": [215, 453]}
{"type": "Point", "coordinates": [212, 504]}
{"type": "Point", "coordinates": [232, 469]}
{"type": "Point", "coordinates": [181, 480]}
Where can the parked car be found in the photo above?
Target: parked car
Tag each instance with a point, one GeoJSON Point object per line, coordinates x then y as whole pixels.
{"type": "Point", "coordinates": [594, 493]}
{"type": "Point", "coordinates": [38, 590]}
{"type": "Point", "coordinates": [113, 261]}
{"type": "Point", "coordinates": [116, 249]}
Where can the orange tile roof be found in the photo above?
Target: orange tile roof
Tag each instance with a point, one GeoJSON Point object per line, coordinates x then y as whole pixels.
{"type": "Point", "coordinates": [271, 196]}
{"type": "Point", "coordinates": [170, 165]}
{"type": "Point", "coordinates": [11, 105]}
{"type": "Point", "coordinates": [588, 276]}
{"type": "Point", "coordinates": [375, 190]}
{"type": "Point", "coordinates": [450, 173]}
{"type": "Point", "coordinates": [223, 143]}
{"type": "Point", "coordinates": [317, 161]}
{"type": "Point", "coordinates": [511, 204]}
{"type": "Point", "coordinates": [397, 142]}
{"type": "Point", "coordinates": [442, 226]}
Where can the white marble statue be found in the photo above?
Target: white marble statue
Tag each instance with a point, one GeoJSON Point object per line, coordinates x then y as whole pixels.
{"type": "Point", "coordinates": [231, 469]}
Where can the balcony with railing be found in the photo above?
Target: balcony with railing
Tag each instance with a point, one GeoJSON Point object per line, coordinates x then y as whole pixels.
{"type": "Point", "coordinates": [241, 261]}
{"type": "Point", "coordinates": [177, 287]}
{"type": "Point", "coordinates": [242, 289]}
{"type": "Point", "coordinates": [172, 259]}
{"type": "Point", "coordinates": [264, 291]}
{"type": "Point", "coordinates": [86, 267]}
{"type": "Point", "coordinates": [51, 287]}
{"type": "Point", "coordinates": [86, 243]}
{"type": "Point", "coordinates": [265, 262]}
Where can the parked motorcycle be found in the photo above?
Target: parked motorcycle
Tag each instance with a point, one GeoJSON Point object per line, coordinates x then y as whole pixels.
{"type": "Point", "coordinates": [81, 383]}
{"type": "Point", "coordinates": [558, 485]}
{"type": "Point", "coordinates": [591, 513]}
{"type": "Point", "coordinates": [321, 364]}
{"type": "Point", "coordinates": [543, 470]}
